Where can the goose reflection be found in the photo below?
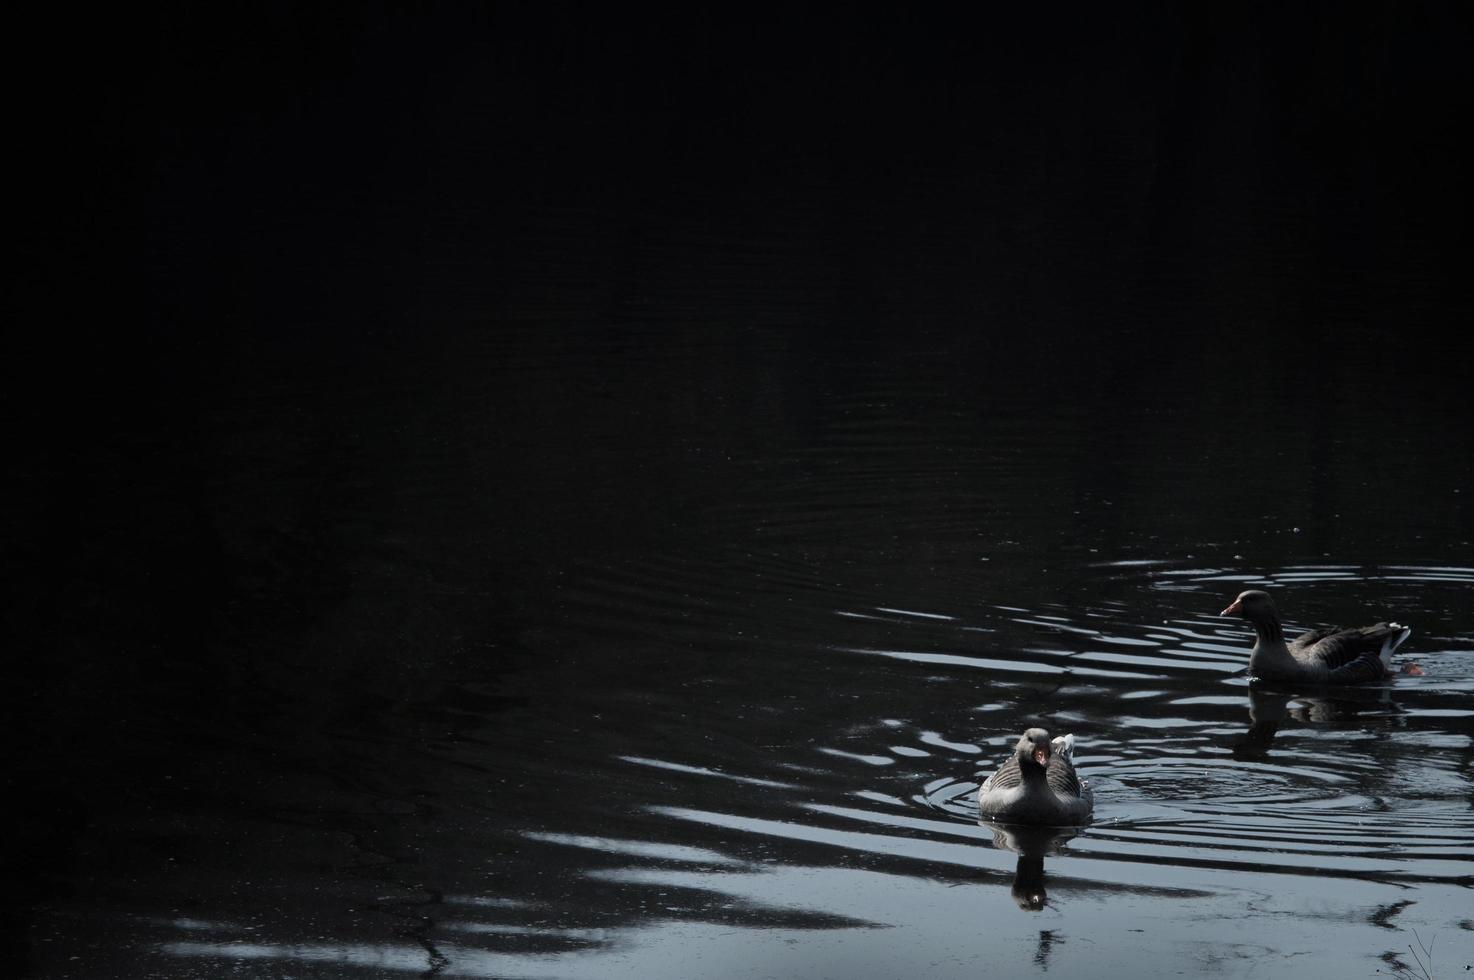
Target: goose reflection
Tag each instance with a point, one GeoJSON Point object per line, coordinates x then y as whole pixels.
{"type": "Point", "coordinates": [1031, 844]}
{"type": "Point", "coordinates": [1269, 709]}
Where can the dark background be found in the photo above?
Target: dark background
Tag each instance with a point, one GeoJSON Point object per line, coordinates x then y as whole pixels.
{"type": "Point", "coordinates": [321, 368]}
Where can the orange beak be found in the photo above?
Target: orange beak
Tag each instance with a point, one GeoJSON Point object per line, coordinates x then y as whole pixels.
{"type": "Point", "coordinates": [1237, 606]}
{"type": "Point", "coordinates": [1041, 756]}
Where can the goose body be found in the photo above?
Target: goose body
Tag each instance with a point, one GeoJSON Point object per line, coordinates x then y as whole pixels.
{"type": "Point", "coordinates": [1037, 785]}
{"type": "Point", "coordinates": [1323, 656]}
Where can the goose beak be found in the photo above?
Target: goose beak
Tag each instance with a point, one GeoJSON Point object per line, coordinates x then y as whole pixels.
{"type": "Point", "coordinates": [1041, 756]}
{"type": "Point", "coordinates": [1235, 608]}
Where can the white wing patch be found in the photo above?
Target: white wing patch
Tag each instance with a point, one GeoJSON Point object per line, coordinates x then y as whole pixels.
{"type": "Point", "coordinates": [1390, 645]}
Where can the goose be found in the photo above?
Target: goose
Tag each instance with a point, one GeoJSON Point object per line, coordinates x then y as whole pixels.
{"type": "Point", "coordinates": [1323, 656]}
{"type": "Point", "coordinates": [1037, 785]}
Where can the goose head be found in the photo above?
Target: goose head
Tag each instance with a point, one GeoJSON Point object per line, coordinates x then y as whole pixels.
{"type": "Point", "coordinates": [1034, 749]}
{"type": "Point", "coordinates": [1255, 605]}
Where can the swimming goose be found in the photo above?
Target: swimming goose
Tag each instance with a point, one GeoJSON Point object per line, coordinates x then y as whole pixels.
{"type": "Point", "coordinates": [1324, 656]}
{"type": "Point", "coordinates": [1037, 785]}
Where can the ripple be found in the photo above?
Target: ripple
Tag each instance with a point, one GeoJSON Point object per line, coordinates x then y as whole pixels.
{"type": "Point", "coordinates": [1335, 783]}
{"type": "Point", "coordinates": [892, 709]}
{"type": "Point", "coordinates": [958, 798]}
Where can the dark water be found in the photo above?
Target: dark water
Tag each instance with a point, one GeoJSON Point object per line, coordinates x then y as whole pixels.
{"type": "Point", "coordinates": [557, 550]}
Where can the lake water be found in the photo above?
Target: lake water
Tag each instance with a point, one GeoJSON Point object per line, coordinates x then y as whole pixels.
{"type": "Point", "coordinates": [615, 574]}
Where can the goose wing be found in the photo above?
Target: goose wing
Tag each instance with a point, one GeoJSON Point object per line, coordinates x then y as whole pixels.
{"type": "Point", "coordinates": [1342, 650]}
{"type": "Point", "coordinates": [1310, 639]}
{"type": "Point", "coordinates": [1061, 776]}
{"type": "Point", "coordinates": [1008, 776]}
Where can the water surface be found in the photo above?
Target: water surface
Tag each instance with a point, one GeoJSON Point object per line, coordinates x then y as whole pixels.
{"type": "Point", "coordinates": [716, 700]}
{"type": "Point", "coordinates": [540, 535]}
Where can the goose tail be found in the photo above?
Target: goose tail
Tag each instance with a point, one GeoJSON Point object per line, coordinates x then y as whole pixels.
{"type": "Point", "coordinates": [1393, 641]}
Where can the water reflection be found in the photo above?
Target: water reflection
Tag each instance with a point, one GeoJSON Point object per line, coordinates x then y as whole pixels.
{"type": "Point", "coordinates": [1031, 844]}
{"type": "Point", "coordinates": [1269, 709]}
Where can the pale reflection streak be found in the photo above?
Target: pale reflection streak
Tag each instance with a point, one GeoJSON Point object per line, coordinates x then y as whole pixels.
{"type": "Point", "coordinates": [950, 828]}
{"type": "Point", "coordinates": [936, 739]}
{"type": "Point", "coordinates": [198, 925]}
{"type": "Point", "coordinates": [405, 959]}
{"type": "Point", "coordinates": [1056, 624]}
{"type": "Point", "coordinates": [1126, 641]}
{"type": "Point", "coordinates": [487, 902]}
{"type": "Point", "coordinates": [909, 612]}
{"type": "Point", "coordinates": [703, 771]}
{"type": "Point", "coordinates": [1116, 674]}
{"type": "Point", "coordinates": [1191, 632]}
{"type": "Point", "coordinates": [547, 932]}
{"type": "Point", "coordinates": [870, 760]}
{"type": "Point", "coordinates": [964, 855]}
{"type": "Point", "coordinates": [1467, 574]}
{"type": "Point", "coordinates": [1137, 660]}
{"type": "Point", "coordinates": [959, 660]}
{"type": "Point", "coordinates": [1015, 667]}
{"type": "Point", "coordinates": [679, 853]}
